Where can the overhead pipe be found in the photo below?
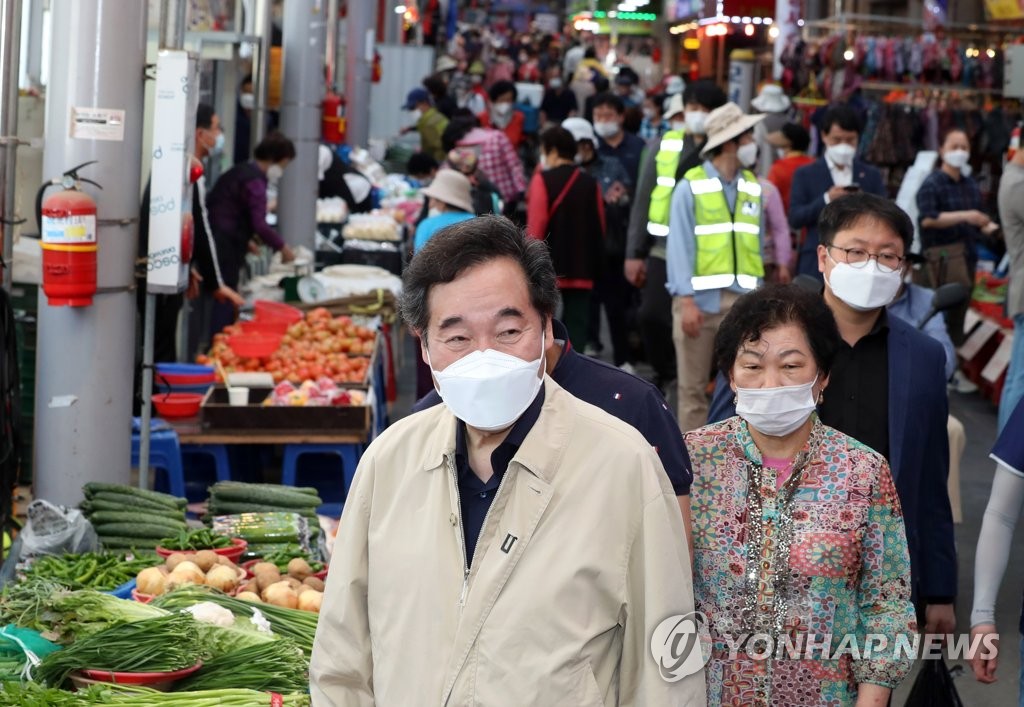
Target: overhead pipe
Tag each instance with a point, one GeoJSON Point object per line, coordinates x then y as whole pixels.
{"type": "Point", "coordinates": [10, 55]}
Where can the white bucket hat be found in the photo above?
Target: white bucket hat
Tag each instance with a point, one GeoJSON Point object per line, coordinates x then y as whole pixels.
{"type": "Point", "coordinates": [452, 188]}
{"type": "Point", "coordinates": [725, 123]}
{"type": "Point", "coordinates": [771, 99]}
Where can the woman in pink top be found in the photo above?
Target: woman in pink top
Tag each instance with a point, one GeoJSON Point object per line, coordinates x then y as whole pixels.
{"type": "Point", "coordinates": [797, 529]}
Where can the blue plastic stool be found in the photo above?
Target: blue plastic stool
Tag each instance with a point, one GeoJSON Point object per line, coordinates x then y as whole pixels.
{"type": "Point", "coordinates": [164, 453]}
{"type": "Point", "coordinates": [348, 454]}
{"type": "Point", "coordinates": [219, 454]}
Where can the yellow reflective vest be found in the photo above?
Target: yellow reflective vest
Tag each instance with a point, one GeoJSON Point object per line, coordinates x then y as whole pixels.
{"type": "Point", "coordinates": [728, 245]}
{"type": "Point", "coordinates": [667, 164]}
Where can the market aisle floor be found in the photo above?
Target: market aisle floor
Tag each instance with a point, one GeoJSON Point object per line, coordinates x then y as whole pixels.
{"type": "Point", "coordinates": [979, 420]}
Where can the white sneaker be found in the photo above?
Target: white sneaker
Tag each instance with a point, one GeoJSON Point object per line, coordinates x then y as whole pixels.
{"type": "Point", "coordinates": [628, 368]}
{"type": "Point", "coordinates": [961, 384]}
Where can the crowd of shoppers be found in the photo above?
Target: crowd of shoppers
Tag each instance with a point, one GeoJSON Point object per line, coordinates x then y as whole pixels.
{"type": "Point", "coordinates": [776, 293]}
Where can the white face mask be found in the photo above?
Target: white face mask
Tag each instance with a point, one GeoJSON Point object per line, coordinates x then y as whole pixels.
{"type": "Point", "coordinates": [649, 113]}
{"type": "Point", "coordinates": [864, 288]}
{"type": "Point", "coordinates": [434, 211]}
{"type": "Point", "coordinates": [957, 159]}
{"type": "Point", "coordinates": [543, 161]}
{"type": "Point", "coordinates": [489, 390]}
{"type": "Point", "coordinates": [747, 154]}
{"type": "Point", "coordinates": [776, 412]}
{"type": "Point", "coordinates": [678, 125]}
{"type": "Point", "coordinates": [695, 121]}
{"type": "Point", "coordinates": [607, 129]}
{"type": "Point", "coordinates": [502, 109]}
{"type": "Point", "coordinates": [247, 100]}
{"type": "Point", "coordinates": [842, 154]}
{"type": "Point", "coordinates": [274, 172]}
{"type": "Point", "coordinates": [415, 115]}
{"type": "Point", "coordinates": [555, 84]}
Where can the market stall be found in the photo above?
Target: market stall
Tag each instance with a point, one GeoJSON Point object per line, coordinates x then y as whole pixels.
{"type": "Point", "coordinates": [123, 602]}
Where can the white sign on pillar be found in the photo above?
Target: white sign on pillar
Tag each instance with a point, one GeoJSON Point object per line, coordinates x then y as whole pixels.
{"type": "Point", "coordinates": [170, 193]}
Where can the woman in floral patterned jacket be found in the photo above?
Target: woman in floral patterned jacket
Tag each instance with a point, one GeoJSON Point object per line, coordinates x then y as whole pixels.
{"type": "Point", "coordinates": [801, 562]}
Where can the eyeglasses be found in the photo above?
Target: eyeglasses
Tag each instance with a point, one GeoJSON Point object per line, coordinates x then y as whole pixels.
{"type": "Point", "coordinates": [858, 258]}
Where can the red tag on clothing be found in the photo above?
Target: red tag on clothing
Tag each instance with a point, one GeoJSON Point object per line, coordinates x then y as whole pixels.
{"type": "Point", "coordinates": [276, 700]}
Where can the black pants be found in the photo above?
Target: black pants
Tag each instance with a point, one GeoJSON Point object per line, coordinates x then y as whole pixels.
{"type": "Point", "coordinates": [575, 315]}
{"type": "Point", "coordinates": [616, 294]}
{"type": "Point", "coordinates": [656, 321]}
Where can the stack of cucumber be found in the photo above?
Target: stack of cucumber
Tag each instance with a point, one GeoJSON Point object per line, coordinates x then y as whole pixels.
{"type": "Point", "coordinates": [128, 517]}
{"type": "Point", "coordinates": [271, 518]}
{"type": "Point", "coordinates": [234, 497]}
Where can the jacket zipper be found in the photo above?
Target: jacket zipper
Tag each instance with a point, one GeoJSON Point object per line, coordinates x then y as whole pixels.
{"type": "Point", "coordinates": [462, 534]}
{"type": "Point", "coordinates": [462, 530]}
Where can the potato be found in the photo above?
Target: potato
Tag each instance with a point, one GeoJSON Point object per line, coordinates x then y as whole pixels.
{"type": "Point", "coordinates": [249, 596]}
{"type": "Point", "coordinates": [310, 601]}
{"type": "Point", "coordinates": [266, 579]}
{"type": "Point", "coordinates": [175, 559]}
{"type": "Point", "coordinates": [314, 582]}
{"type": "Point", "coordinates": [292, 582]}
{"type": "Point", "coordinates": [191, 567]}
{"type": "Point", "coordinates": [206, 559]}
{"type": "Point", "coordinates": [265, 567]}
{"type": "Point", "coordinates": [249, 586]}
{"type": "Point", "coordinates": [221, 560]}
{"type": "Point", "coordinates": [299, 568]}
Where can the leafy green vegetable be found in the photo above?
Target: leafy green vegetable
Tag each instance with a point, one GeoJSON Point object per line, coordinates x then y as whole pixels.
{"type": "Point", "coordinates": [155, 645]}
{"type": "Point", "coordinates": [277, 666]}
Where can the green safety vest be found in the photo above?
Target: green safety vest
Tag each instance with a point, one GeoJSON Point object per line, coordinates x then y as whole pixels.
{"type": "Point", "coordinates": [667, 164]}
{"type": "Point", "coordinates": [728, 245]}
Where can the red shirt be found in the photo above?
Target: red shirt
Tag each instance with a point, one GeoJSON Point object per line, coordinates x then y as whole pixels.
{"type": "Point", "coordinates": [781, 174]}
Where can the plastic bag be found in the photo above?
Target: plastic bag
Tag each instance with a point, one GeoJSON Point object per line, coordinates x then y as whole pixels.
{"type": "Point", "coordinates": [55, 530]}
{"type": "Point", "coordinates": [25, 646]}
{"type": "Point", "coordinates": [934, 687]}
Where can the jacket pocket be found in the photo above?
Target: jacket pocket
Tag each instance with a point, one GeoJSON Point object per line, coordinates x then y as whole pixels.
{"type": "Point", "coordinates": [588, 693]}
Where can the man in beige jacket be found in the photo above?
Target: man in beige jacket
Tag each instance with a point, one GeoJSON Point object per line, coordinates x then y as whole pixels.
{"type": "Point", "coordinates": [514, 546]}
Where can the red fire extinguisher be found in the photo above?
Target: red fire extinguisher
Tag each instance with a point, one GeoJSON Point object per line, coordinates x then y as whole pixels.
{"type": "Point", "coordinates": [332, 124]}
{"type": "Point", "coordinates": [67, 228]}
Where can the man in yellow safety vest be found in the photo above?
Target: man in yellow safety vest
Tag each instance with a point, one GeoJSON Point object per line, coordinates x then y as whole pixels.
{"type": "Point", "coordinates": [714, 250]}
{"type": "Point", "coordinates": [665, 161]}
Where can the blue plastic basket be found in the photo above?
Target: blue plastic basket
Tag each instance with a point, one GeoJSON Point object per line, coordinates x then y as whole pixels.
{"type": "Point", "coordinates": [125, 590]}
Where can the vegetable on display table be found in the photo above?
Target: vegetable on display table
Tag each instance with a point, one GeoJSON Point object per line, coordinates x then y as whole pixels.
{"type": "Point", "coordinates": [319, 346]}
{"type": "Point", "coordinates": [35, 695]}
{"type": "Point", "coordinates": [127, 517]}
{"type": "Point", "coordinates": [91, 570]}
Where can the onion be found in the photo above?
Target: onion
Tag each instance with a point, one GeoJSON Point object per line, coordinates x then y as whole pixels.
{"type": "Point", "coordinates": [151, 581]}
{"type": "Point", "coordinates": [222, 578]}
{"type": "Point", "coordinates": [184, 574]}
{"type": "Point", "coordinates": [310, 601]}
{"type": "Point", "coordinates": [281, 595]}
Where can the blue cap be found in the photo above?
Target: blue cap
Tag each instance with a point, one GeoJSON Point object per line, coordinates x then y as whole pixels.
{"type": "Point", "coordinates": [417, 95]}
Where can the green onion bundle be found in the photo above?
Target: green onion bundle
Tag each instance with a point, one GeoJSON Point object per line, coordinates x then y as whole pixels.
{"type": "Point", "coordinates": [300, 626]}
{"type": "Point", "coordinates": [274, 666]}
{"type": "Point", "coordinates": [35, 695]}
{"type": "Point", "coordinates": [159, 645]}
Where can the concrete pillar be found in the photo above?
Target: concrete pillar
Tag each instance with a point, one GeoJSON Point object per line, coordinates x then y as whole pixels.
{"type": "Point", "coordinates": [10, 38]}
{"type": "Point", "coordinates": [301, 105]}
{"type": "Point", "coordinates": [86, 355]}
{"type": "Point", "coordinates": [358, 65]}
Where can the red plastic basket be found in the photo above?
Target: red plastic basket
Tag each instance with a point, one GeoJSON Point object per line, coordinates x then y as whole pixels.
{"type": "Point", "coordinates": [275, 311]}
{"type": "Point", "coordinates": [177, 404]}
{"type": "Point", "coordinates": [265, 327]}
{"type": "Point", "coordinates": [254, 345]}
{"type": "Point", "coordinates": [233, 552]}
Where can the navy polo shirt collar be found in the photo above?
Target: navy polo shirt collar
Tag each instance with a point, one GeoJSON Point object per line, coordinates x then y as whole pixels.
{"type": "Point", "coordinates": [501, 456]}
